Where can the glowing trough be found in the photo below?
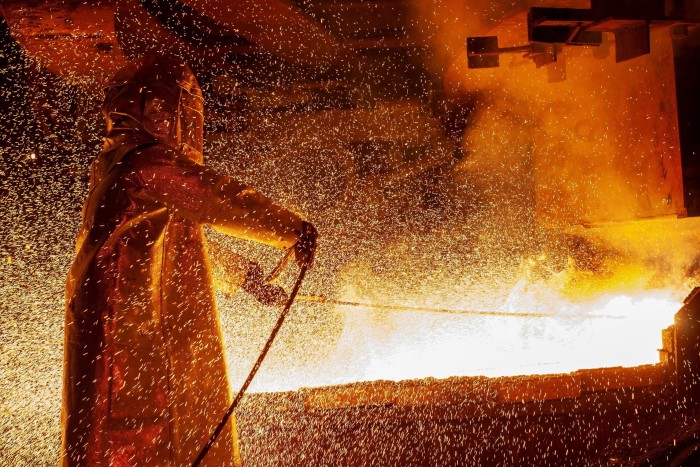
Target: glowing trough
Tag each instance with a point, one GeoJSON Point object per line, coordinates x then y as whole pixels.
{"type": "Point", "coordinates": [598, 416]}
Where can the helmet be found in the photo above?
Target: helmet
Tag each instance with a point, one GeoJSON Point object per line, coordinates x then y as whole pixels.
{"type": "Point", "coordinates": [162, 95]}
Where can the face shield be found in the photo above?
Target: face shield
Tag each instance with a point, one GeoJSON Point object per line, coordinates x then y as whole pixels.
{"type": "Point", "coordinates": [192, 125]}
{"type": "Point", "coordinates": [162, 95]}
{"type": "Point", "coordinates": [160, 113]}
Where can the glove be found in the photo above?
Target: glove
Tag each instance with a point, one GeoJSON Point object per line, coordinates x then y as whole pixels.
{"type": "Point", "coordinates": [265, 293]}
{"type": "Point", "coordinates": [305, 247]}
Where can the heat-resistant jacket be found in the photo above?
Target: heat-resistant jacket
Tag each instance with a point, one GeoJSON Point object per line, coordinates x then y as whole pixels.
{"type": "Point", "coordinates": [145, 377]}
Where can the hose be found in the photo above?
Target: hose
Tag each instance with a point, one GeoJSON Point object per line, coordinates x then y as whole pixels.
{"type": "Point", "coordinates": [219, 428]}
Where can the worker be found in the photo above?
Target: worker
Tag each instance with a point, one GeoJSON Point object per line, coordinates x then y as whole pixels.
{"type": "Point", "coordinates": [145, 375]}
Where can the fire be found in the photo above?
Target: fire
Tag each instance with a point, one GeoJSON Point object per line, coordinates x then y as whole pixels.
{"type": "Point", "coordinates": [606, 308]}
{"type": "Point", "coordinates": [608, 318]}
{"type": "Point", "coordinates": [607, 331]}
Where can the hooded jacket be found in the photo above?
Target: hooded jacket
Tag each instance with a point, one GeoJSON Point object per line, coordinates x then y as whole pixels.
{"type": "Point", "coordinates": [145, 376]}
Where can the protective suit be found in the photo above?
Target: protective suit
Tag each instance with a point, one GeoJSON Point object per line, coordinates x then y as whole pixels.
{"type": "Point", "coordinates": [145, 376]}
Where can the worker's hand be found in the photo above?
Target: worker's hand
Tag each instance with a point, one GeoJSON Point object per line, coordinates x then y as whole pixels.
{"type": "Point", "coordinates": [305, 247]}
{"type": "Point", "coordinates": [264, 292]}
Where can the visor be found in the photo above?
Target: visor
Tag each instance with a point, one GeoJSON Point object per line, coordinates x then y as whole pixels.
{"type": "Point", "coordinates": [192, 122]}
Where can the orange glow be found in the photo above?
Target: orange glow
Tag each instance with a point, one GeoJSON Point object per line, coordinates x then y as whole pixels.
{"type": "Point", "coordinates": [605, 318]}
{"type": "Point", "coordinates": [620, 331]}
{"type": "Point", "coordinates": [605, 331]}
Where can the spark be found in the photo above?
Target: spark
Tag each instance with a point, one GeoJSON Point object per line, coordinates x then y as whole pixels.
{"type": "Point", "coordinates": [460, 235]}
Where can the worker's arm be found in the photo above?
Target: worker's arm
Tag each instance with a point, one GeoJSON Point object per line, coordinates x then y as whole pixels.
{"type": "Point", "coordinates": [195, 192]}
{"type": "Point", "coordinates": [228, 269]}
{"type": "Point", "coordinates": [231, 271]}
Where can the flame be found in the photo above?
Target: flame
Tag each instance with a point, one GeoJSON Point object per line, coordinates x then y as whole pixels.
{"type": "Point", "coordinates": [605, 294]}
{"type": "Point", "coordinates": [606, 331]}
{"type": "Point", "coordinates": [613, 316]}
{"type": "Point", "coordinates": [606, 308]}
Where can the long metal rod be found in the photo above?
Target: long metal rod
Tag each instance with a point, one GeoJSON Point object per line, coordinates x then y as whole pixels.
{"type": "Point", "coordinates": [219, 428]}
{"type": "Point", "coordinates": [331, 301]}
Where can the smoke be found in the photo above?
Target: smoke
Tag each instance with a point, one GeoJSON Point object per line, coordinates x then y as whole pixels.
{"type": "Point", "coordinates": [585, 141]}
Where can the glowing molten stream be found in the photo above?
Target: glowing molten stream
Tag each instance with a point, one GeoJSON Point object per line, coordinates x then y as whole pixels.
{"type": "Point", "coordinates": [606, 332]}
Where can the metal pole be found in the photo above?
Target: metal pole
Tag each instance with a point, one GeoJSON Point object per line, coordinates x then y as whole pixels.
{"type": "Point", "coordinates": [331, 301]}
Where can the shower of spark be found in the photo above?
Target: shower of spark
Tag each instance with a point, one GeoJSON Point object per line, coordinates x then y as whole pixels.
{"type": "Point", "coordinates": [463, 237]}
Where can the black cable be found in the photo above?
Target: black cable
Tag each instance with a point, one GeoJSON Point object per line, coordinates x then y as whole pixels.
{"type": "Point", "coordinates": [219, 428]}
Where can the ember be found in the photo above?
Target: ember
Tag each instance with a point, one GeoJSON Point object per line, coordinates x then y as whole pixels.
{"type": "Point", "coordinates": [539, 218]}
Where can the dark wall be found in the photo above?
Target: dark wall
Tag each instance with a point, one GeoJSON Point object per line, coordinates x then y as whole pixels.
{"type": "Point", "coordinates": [621, 427]}
{"type": "Point", "coordinates": [687, 64]}
{"type": "Point", "coordinates": [15, 116]}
